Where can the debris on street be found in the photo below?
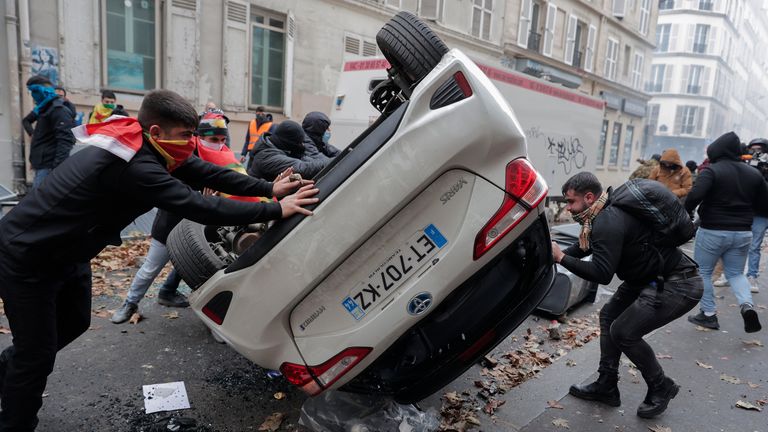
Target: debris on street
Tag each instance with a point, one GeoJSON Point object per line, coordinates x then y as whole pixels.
{"type": "Point", "coordinates": [165, 397]}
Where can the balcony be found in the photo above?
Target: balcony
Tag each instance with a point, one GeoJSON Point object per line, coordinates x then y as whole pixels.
{"type": "Point", "coordinates": [700, 48]}
{"type": "Point", "coordinates": [578, 59]}
{"type": "Point", "coordinates": [705, 5]}
{"type": "Point", "coordinates": [693, 89]}
{"type": "Point", "coordinates": [534, 41]}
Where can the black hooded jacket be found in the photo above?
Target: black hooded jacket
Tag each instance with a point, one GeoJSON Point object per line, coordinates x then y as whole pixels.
{"type": "Point", "coordinates": [315, 124]}
{"type": "Point", "coordinates": [729, 191]}
{"type": "Point", "coordinates": [52, 137]}
{"type": "Point", "coordinates": [281, 150]}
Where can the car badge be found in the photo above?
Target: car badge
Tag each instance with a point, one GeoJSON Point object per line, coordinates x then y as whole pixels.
{"type": "Point", "coordinates": [419, 303]}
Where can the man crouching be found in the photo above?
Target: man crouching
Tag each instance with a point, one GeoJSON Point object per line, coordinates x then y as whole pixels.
{"type": "Point", "coordinates": [660, 284]}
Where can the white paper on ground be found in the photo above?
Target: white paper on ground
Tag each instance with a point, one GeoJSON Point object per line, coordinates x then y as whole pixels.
{"type": "Point", "coordinates": [165, 397]}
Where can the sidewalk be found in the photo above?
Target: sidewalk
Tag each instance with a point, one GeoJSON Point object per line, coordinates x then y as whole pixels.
{"type": "Point", "coordinates": [705, 363]}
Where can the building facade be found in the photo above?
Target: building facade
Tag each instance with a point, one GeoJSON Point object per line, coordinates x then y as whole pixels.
{"type": "Point", "coordinates": [709, 75]}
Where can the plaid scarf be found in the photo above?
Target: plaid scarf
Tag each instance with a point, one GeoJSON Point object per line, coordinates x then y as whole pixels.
{"type": "Point", "coordinates": [586, 217]}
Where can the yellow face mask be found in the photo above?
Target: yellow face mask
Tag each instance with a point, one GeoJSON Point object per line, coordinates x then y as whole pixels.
{"type": "Point", "coordinates": [173, 151]}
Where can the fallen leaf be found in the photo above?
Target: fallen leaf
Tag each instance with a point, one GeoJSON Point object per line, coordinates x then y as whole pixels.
{"type": "Point", "coordinates": [135, 318]}
{"type": "Point", "coordinates": [762, 402]}
{"type": "Point", "coordinates": [663, 356]}
{"type": "Point", "coordinates": [730, 379]}
{"type": "Point", "coordinates": [4, 330]}
{"type": "Point", "coordinates": [752, 342]}
{"type": "Point", "coordinates": [570, 363]}
{"type": "Point", "coordinates": [472, 420]}
{"type": "Point", "coordinates": [94, 327]}
{"type": "Point", "coordinates": [703, 329]}
{"type": "Point", "coordinates": [554, 404]}
{"type": "Point", "coordinates": [101, 313]}
{"type": "Point", "coordinates": [658, 428]}
{"type": "Point", "coordinates": [171, 315]}
{"type": "Point", "coordinates": [753, 385]}
{"type": "Point", "coordinates": [703, 365]}
{"type": "Point", "coordinates": [747, 406]}
{"type": "Point", "coordinates": [273, 422]}
{"type": "Point", "coordinates": [280, 395]}
{"type": "Point", "coordinates": [493, 405]}
{"type": "Point", "coordinates": [561, 422]}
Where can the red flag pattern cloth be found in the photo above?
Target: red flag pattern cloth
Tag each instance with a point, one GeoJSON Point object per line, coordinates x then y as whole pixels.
{"type": "Point", "coordinates": [221, 155]}
{"type": "Point", "coordinates": [120, 136]}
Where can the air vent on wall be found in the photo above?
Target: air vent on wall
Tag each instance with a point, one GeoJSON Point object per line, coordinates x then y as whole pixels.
{"type": "Point", "coordinates": [237, 12]}
{"type": "Point", "coordinates": [185, 4]}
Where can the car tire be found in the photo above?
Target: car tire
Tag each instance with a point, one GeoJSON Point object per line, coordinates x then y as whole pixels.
{"type": "Point", "coordinates": [191, 254]}
{"type": "Point", "coordinates": [410, 46]}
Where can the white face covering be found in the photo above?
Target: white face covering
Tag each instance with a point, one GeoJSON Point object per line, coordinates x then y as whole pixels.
{"type": "Point", "coordinates": [212, 146]}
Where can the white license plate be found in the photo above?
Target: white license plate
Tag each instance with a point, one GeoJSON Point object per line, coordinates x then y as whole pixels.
{"type": "Point", "coordinates": [394, 271]}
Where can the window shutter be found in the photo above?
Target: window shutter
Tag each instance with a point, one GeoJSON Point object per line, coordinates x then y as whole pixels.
{"type": "Point", "coordinates": [686, 78]}
{"type": "Point", "coordinates": [290, 37]}
{"type": "Point", "coordinates": [182, 37]}
{"type": "Point", "coordinates": [673, 37]}
{"type": "Point", "coordinates": [713, 45]}
{"type": "Point", "coordinates": [549, 29]}
{"type": "Point", "coordinates": [589, 55]}
{"type": "Point", "coordinates": [667, 87]}
{"type": "Point", "coordinates": [570, 39]}
{"type": "Point", "coordinates": [429, 9]}
{"type": "Point", "coordinates": [679, 120]}
{"type": "Point", "coordinates": [236, 54]}
{"type": "Point", "coordinates": [690, 41]}
{"type": "Point", "coordinates": [409, 5]}
{"type": "Point", "coordinates": [705, 82]}
{"type": "Point", "coordinates": [524, 24]}
{"type": "Point", "coordinates": [619, 8]}
{"type": "Point", "coordinates": [71, 45]}
{"type": "Point", "coordinates": [699, 119]}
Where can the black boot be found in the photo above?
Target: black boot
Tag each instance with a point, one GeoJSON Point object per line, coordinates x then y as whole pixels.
{"type": "Point", "coordinates": [658, 397]}
{"type": "Point", "coordinates": [604, 390]}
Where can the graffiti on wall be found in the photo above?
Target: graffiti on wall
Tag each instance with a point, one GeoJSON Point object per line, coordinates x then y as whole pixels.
{"type": "Point", "coordinates": [45, 62]}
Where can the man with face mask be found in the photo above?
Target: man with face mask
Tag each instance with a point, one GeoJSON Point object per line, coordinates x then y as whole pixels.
{"type": "Point", "coordinates": [621, 244]}
{"type": "Point", "coordinates": [317, 126]}
{"type": "Point", "coordinates": [283, 149]}
{"type": "Point", "coordinates": [129, 166]}
{"type": "Point", "coordinates": [107, 108]}
{"type": "Point", "coordinates": [52, 137]}
{"type": "Point", "coordinates": [256, 128]}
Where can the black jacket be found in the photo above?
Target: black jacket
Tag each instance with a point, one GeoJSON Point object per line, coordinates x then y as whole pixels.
{"type": "Point", "coordinates": [267, 161]}
{"type": "Point", "coordinates": [85, 203]}
{"type": "Point", "coordinates": [315, 124]}
{"type": "Point", "coordinates": [52, 138]}
{"type": "Point", "coordinates": [621, 244]}
{"type": "Point", "coordinates": [729, 191]}
{"type": "Point", "coordinates": [32, 117]}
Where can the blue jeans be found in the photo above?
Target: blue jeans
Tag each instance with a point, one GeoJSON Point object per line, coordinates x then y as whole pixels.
{"type": "Point", "coordinates": [156, 259]}
{"type": "Point", "coordinates": [732, 247]}
{"type": "Point", "coordinates": [40, 174]}
{"type": "Point", "coordinates": [759, 225]}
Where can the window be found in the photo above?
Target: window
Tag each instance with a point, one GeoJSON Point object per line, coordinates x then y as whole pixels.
{"type": "Point", "coordinates": [653, 118]}
{"type": "Point", "coordinates": [626, 157]}
{"type": "Point", "coordinates": [619, 8]}
{"type": "Point", "coordinates": [662, 37]}
{"type": "Point", "coordinates": [688, 120]}
{"type": "Point", "coordinates": [613, 158]}
{"type": "Point", "coordinates": [700, 38]}
{"type": "Point", "coordinates": [656, 83]}
{"type": "Point", "coordinates": [705, 5]}
{"type": "Point", "coordinates": [694, 79]}
{"type": "Point", "coordinates": [267, 59]}
{"type": "Point", "coordinates": [482, 11]}
{"type": "Point", "coordinates": [549, 29]}
{"type": "Point", "coordinates": [627, 57]}
{"type": "Point", "coordinates": [534, 37]}
{"type": "Point", "coordinates": [645, 16]}
{"type": "Point", "coordinates": [637, 70]}
{"type": "Point", "coordinates": [601, 145]}
{"type": "Point", "coordinates": [355, 44]}
{"type": "Point", "coordinates": [611, 57]}
{"type": "Point", "coordinates": [666, 4]}
{"type": "Point", "coordinates": [428, 9]}
{"type": "Point", "coordinates": [130, 34]}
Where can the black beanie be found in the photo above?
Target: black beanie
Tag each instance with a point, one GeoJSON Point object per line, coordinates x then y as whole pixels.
{"type": "Point", "coordinates": [289, 137]}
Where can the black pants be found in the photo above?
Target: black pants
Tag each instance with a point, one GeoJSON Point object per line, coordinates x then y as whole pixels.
{"type": "Point", "coordinates": [632, 313]}
{"type": "Point", "coordinates": [46, 310]}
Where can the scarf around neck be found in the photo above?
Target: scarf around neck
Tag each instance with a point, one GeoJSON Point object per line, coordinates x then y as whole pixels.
{"type": "Point", "coordinates": [586, 217]}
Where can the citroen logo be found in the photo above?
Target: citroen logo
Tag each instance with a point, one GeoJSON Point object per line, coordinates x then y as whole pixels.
{"type": "Point", "coordinates": [419, 303]}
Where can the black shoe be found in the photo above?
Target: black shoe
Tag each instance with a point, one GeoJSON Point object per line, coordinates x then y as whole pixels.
{"type": "Point", "coordinates": [709, 322]}
{"type": "Point", "coordinates": [124, 313]}
{"type": "Point", "coordinates": [603, 390]}
{"type": "Point", "coordinates": [173, 300]}
{"type": "Point", "coordinates": [658, 398]}
{"type": "Point", "coordinates": [751, 322]}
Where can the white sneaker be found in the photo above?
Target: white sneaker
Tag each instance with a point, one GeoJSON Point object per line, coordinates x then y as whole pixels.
{"type": "Point", "coordinates": [721, 282]}
{"type": "Point", "coordinates": [753, 286]}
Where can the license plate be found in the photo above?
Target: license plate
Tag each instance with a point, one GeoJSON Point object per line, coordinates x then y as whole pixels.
{"type": "Point", "coordinates": [405, 261]}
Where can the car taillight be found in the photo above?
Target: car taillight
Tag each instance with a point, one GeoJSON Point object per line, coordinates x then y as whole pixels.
{"type": "Point", "coordinates": [315, 379]}
{"type": "Point", "coordinates": [525, 189]}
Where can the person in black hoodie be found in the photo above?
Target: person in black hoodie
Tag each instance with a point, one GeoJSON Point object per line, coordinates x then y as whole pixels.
{"type": "Point", "coordinates": [728, 193]}
{"type": "Point", "coordinates": [48, 240]}
{"type": "Point", "coordinates": [317, 127]}
{"type": "Point", "coordinates": [618, 243]}
{"type": "Point", "coordinates": [281, 150]}
{"type": "Point", "coordinates": [52, 137]}
{"type": "Point", "coordinates": [758, 149]}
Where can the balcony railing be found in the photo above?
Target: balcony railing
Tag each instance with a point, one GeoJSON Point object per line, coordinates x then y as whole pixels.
{"type": "Point", "coordinates": [700, 48]}
{"type": "Point", "coordinates": [705, 5]}
{"type": "Point", "coordinates": [578, 59]}
{"type": "Point", "coordinates": [534, 41]}
{"type": "Point", "coordinates": [652, 87]}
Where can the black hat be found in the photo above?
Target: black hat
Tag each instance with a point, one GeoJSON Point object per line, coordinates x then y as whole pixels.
{"type": "Point", "coordinates": [289, 137]}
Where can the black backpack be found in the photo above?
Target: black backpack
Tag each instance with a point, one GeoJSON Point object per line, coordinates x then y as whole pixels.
{"type": "Point", "coordinates": [651, 202]}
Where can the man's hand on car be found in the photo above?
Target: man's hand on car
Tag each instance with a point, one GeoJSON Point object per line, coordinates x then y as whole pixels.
{"type": "Point", "coordinates": [286, 183]}
{"type": "Point", "coordinates": [295, 203]}
{"type": "Point", "coordinates": [557, 254]}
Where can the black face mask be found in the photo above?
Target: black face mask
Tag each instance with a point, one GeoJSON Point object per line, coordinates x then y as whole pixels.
{"type": "Point", "coordinates": [261, 118]}
{"type": "Point", "coordinates": [670, 167]}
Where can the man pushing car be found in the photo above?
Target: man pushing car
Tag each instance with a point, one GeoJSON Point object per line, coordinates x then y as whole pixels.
{"type": "Point", "coordinates": [47, 241]}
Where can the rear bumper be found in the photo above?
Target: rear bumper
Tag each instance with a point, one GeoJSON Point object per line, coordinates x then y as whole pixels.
{"type": "Point", "coordinates": [477, 316]}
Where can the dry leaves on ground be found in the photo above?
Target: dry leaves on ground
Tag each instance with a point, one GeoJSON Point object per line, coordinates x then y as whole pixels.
{"type": "Point", "coordinates": [554, 404]}
{"type": "Point", "coordinates": [753, 385]}
{"type": "Point", "coordinates": [703, 329]}
{"type": "Point", "coordinates": [747, 406]}
{"type": "Point", "coordinates": [135, 318]}
{"type": "Point", "coordinates": [280, 395]}
{"type": "Point", "coordinates": [458, 413]}
{"type": "Point", "coordinates": [752, 342]}
{"type": "Point", "coordinates": [171, 315]}
{"type": "Point", "coordinates": [730, 379]}
{"type": "Point", "coordinates": [659, 428]}
{"type": "Point", "coordinates": [102, 313]}
{"type": "Point", "coordinates": [703, 365]}
{"type": "Point", "coordinates": [273, 422]}
{"type": "Point", "coordinates": [561, 423]}
{"type": "Point", "coordinates": [663, 356]}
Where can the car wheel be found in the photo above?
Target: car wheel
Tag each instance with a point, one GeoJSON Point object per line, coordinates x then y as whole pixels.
{"type": "Point", "coordinates": [191, 253]}
{"type": "Point", "coordinates": [410, 46]}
